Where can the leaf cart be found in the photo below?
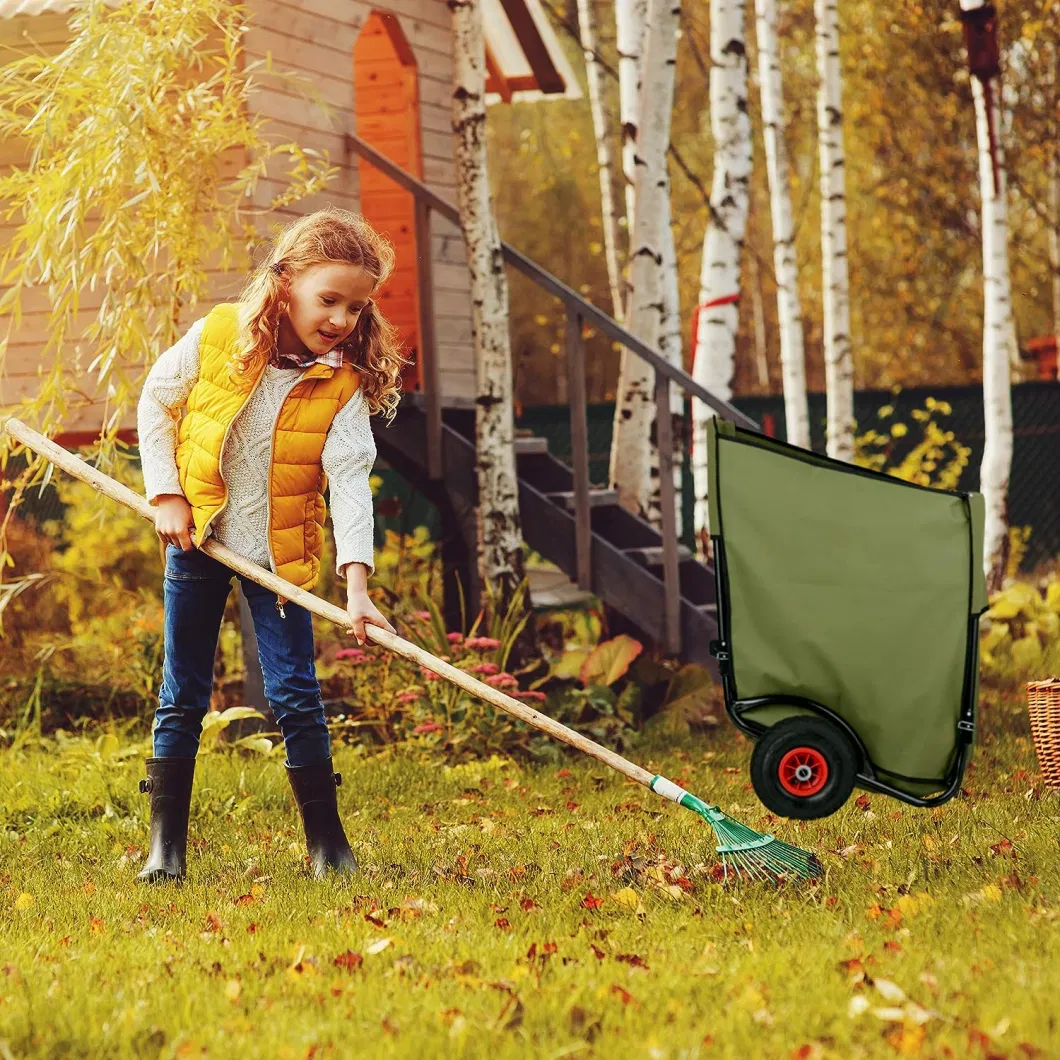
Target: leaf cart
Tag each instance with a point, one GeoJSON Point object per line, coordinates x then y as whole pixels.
{"type": "Point", "coordinates": [848, 617]}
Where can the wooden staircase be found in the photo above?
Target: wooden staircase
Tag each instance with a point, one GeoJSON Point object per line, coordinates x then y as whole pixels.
{"type": "Point", "coordinates": [626, 552]}
{"type": "Point", "coordinates": [644, 576]}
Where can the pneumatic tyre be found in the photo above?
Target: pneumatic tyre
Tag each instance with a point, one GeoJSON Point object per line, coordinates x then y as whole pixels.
{"type": "Point", "coordinates": [804, 767]}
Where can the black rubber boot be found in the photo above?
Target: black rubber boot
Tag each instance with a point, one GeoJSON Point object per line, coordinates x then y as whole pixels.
{"type": "Point", "coordinates": [314, 789]}
{"type": "Point", "coordinates": [169, 785]}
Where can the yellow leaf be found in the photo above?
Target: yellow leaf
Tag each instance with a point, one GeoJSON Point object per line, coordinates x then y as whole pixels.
{"type": "Point", "coordinates": [233, 988]}
{"type": "Point", "coordinates": [607, 662]}
{"type": "Point", "coordinates": [24, 900]}
{"type": "Point", "coordinates": [627, 898]}
{"type": "Point", "coordinates": [930, 842]}
{"type": "Point", "coordinates": [1052, 597]}
{"type": "Point", "coordinates": [992, 893]}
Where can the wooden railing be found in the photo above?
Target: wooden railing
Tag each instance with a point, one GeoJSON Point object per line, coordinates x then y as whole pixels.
{"type": "Point", "coordinates": [580, 312]}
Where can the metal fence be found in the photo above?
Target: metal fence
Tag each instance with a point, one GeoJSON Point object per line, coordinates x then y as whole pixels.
{"type": "Point", "coordinates": [1034, 492]}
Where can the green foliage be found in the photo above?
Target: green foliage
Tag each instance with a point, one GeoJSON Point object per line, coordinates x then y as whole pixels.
{"type": "Point", "coordinates": [936, 459]}
{"type": "Point", "coordinates": [1020, 638]}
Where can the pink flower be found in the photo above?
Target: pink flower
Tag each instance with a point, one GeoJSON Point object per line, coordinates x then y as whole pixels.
{"type": "Point", "coordinates": [423, 616]}
{"type": "Point", "coordinates": [485, 668]}
{"type": "Point", "coordinates": [534, 696]}
{"type": "Point", "coordinates": [502, 681]}
{"type": "Point", "coordinates": [428, 726]}
{"type": "Point", "coordinates": [407, 697]}
{"type": "Point", "coordinates": [430, 675]}
{"type": "Point", "coordinates": [353, 655]}
{"type": "Point", "coordinates": [484, 643]}
{"type": "Point", "coordinates": [454, 638]}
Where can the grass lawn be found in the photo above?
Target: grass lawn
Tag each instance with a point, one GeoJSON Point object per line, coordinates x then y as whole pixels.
{"type": "Point", "coordinates": [513, 911]}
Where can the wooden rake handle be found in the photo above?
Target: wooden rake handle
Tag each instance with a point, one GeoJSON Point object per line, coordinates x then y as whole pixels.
{"type": "Point", "coordinates": [74, 465]}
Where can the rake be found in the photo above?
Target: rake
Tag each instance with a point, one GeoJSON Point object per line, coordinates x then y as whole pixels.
{"type": "Point", "coordinates": [744, 853]}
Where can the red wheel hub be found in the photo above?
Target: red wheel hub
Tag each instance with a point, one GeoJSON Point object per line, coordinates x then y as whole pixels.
{"type": "Point", "coordinates": [803, 771]}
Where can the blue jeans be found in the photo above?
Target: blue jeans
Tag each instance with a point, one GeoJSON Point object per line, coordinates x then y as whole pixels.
{"type": "Point", "coordinates": [196, 588]}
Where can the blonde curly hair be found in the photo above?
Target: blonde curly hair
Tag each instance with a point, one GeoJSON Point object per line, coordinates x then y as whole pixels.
{"type": "Point", "coordinates": [319, 238]}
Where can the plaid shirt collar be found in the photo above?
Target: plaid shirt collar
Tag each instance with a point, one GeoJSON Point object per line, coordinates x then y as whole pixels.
{"type": "Point", "coordinates": [333, 359]}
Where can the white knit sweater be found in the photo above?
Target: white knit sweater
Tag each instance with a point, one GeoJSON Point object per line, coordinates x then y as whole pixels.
{"type": "Point", "coordinates": [349, 453]}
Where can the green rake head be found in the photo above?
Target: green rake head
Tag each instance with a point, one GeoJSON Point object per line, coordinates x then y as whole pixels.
{"type": "Point", "coordinates": [745, 853]}
{"type": "Point", "coordinates": [748, 853]}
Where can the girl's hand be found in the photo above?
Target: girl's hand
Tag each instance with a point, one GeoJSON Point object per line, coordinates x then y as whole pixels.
{"type": "Point", "coordinates": [360, 608]}
{"type": "Point", "coordinates": [173, 521]}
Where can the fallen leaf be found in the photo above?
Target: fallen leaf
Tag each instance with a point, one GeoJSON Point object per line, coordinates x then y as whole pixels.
{"type": "Point", "coordinates": [377, 947]}
{"type": "Point", "coordinates": [233, 988]}
{"type": "Point", "coordinates": [621, 992]}
{"type": "Point", "coordinates": [348, 960]}
{"type": "Point", "coordinates": [24, 901]}
{"type": "Point", "coordinates": [590, 901]}
{"type": "Point", "coordinates": [890, 991]}
{"type": "Point", "coordinates": [627, 898]}
{"type": "Point", "coordinates": [859, 1003]}
{"type": "Point", "coordinates": [632, 960]}
{"type": "Point", "coordinates": [527, 904]}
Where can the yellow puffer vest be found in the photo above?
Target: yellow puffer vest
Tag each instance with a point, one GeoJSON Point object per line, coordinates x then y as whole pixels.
{"type": "Point", "coordinates": [296, 478]}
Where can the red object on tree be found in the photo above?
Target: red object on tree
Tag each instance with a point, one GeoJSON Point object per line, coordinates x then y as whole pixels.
{"type": "Point", "coordinates": [980, 38]}
{"type": "Point", "coordinates": [984, 63]}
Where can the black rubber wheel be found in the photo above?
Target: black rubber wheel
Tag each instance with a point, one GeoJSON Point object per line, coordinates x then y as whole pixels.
{"type": "Point", "coordinates": [804, 767]}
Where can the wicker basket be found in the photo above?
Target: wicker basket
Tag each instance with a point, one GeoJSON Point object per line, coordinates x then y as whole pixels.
{"type": "Point", "coordinates": [1043, 702]}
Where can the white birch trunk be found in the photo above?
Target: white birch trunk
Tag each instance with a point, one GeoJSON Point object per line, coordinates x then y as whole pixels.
{"type": "Point", "coordinates": [628, 471]}
{"type": "Point", "coordinates": [670, 346]}
{"type": "Point", "coordinates": [789, 307]}
{"type": "Point", "coordinates": [997, 328]}
{"type": "Point", "coordinates": [631, 18]}
{"type": "Point", "coordinates": [631, 448]}
{"type": "Point", "coordinates": [602, 131]}
{"type": "Point", "coordinates": [835, 282]}
{"type": "Point", "coordinates": [715, 350]}
{"type": "Point", "coordinates": [500, 544]}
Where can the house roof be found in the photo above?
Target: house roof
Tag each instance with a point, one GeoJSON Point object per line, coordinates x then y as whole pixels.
{"type": "Point", "coordinates": [525, 61]}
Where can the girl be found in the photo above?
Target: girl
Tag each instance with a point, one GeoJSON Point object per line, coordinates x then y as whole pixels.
{"type": "Point", "coordinates": [276, 392]}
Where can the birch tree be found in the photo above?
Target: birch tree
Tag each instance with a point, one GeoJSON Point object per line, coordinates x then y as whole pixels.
{"type": "Point", "coordinates": [628, 471]}
{"type": "Point", "coordinates": [500, 544]}
{"type": "Point", "coordinates": [835, 281]}
{"type": "Point", "coordinates": [601, 114]}
{"type": "Point", "coordinates": [789, 307]}
{"type": "Point", "coordinates": [719, 281]}
{"type": "Point", "coordinates": [634, 411]}
{"type": "Point", "coordinates": [670, 346]}
{"type": "Point", "coordinates": [997, 300]}
{"type": "Point", "coordinates": [631, 18]}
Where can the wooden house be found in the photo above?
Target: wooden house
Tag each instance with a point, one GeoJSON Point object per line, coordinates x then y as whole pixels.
{"type": "Point", "coordinates": [386, 71]}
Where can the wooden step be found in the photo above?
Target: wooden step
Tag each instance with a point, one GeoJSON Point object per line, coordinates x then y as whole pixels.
{"type": "Point", "coordinates": [598, 498]}
{"type": "Point", "coordinates": [531, 445]}
{"type": "Point", "coordinates": [652, 555]}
